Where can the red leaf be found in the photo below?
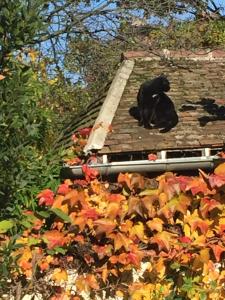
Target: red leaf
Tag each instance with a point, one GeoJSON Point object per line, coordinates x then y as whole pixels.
{"type": "Point", "coordinates": [46, 197]}
{"type": "Point", "coordinates": [198, 185]}
{"type": "Point", "coordinates": [63, 189]}
{"type": "Point", "coordinates": [183, 182]}
{"type": "Point", "coordinates": [81, 182]}
{"type": "Point", "coordinates": [152, 156]}
{"type": "Point", "coordinates": [116, 198]}
{"type": "Point", "coordinates": [89, 173]}
{"type": "Point", "coordinates": [216, 180]}
{"type": "Point", "coordinates": [135, 257]}
{"type": "Point", "coordinates": [185, 239]}
{"type": "Point", "coordinates": [85, 131]}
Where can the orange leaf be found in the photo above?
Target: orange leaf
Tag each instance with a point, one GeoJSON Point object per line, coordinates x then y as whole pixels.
{"type": "Point", "coordinates": [103, 251]}
{"type": "Point", "coordinates": [125, 179]}
{"type": "Point", "coordinates": [160, 267]}
{"type": "Point", "coordinates": [116, 198]}
{"type": "Point", "coordinates": [86, 282]}
{"type": "Point", "coordinates": [24, 260]}
{"type": "Point", "coordinates": [105, 273]}
{"type": "Point", "coordinates": [169, 184]}
{"type": "Point", "coordinates": [135, 257]}
{"type": "Point", "coordinates": [73, 197]}
{"type": "Point", "coordinates": [133, 181]}
{"type": "Point", "coordinates": [198, 185]}
{"type": "Point", "coordinates": [89, 213]}
{"type": "Point", "coordinates": [175, 204]}
{"type": "Point", "coordinates": [196, 222]}
{"type": "Point", "coordinates": [164, 240]}
{"type": "Point", "coordinates": [113, 210]}
{"type": "Point", "coordinates": [126, 226]}
{"type": "Point", "coordinates": [217, 250]}
{"type": "Point", "coordinates": [135, 206]}
{"type": "Point", "coordinates": [207, 204]}
{"type": "Point", "coordinates": [148, 202]}
{"type": "Point", "coordinates": [59, 202]}
{"type": "Point", "coordinates": [120, 240]}
{"type": "Point", "coordinates": [54, 238]}
{"type": "Point", "coordinates": [113, 259]}
{"type": "Point", "coordinates": [122, 259]}
{"type": "Point", "coordinates": [220, 170]}
{"type": "Point", "coordinates": [79, 221]}
{"type": "Point", "coordinates": [1, 77]}
{"type": "Point", "coordinates": [104, 226]}
{"type": "Point", "coordinates": [155, 224]}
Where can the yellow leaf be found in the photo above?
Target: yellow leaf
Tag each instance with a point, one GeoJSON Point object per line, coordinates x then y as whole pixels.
{"type": "Point", "coordinates": [59, 275]}
{"type": "Point", "coordinates": [113, 210]}
{"type": "Point", "coordinates": [138, 231]}
{"type": "Point", "coordinates": [105, 273]}
{"type": "Point", "coordinates": [155, 224]}
{"type": "Point", "coordinates": [33, 55]}
{"type": "Point", "coordinates": [160, 268]}
{"type": "Point", "coordinates": [148, 192]}
{"type": "Point", "coordinates": [119, 294]}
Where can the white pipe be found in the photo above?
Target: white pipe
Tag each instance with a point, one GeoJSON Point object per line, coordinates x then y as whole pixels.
{"type": "Point", "coordinates": [159, 165]}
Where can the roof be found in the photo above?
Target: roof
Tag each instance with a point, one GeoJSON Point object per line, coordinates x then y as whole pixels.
{"type": "Point", "coordinates": [198, 91]}
{"type": "Point", "coordinates": [197, 81]}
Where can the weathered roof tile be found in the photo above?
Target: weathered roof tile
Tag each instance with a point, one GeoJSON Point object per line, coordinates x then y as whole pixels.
{"type": "Point", "coordinates": [197, 90]}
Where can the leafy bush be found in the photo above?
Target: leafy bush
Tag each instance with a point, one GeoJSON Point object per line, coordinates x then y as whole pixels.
{"type": "Point", "coordinates": [25, 128]}
{"type": "Point", "coordinates": [141, 238]}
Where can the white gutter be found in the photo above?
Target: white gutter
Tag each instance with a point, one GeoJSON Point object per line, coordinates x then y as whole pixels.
{"type": "Point", "coordinates": [159, 165]}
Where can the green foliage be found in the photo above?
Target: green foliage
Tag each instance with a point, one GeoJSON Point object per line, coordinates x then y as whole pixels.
{"type": "Point", "coordinates": [19, 22]}
{"type": "Point", "coordinates": [24, 128]}
{"type": "Point", "coordinates": [189, 35]}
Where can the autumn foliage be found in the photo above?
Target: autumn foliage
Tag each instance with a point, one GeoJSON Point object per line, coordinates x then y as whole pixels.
{"type": "Point", "coordinates": [144, 238]}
